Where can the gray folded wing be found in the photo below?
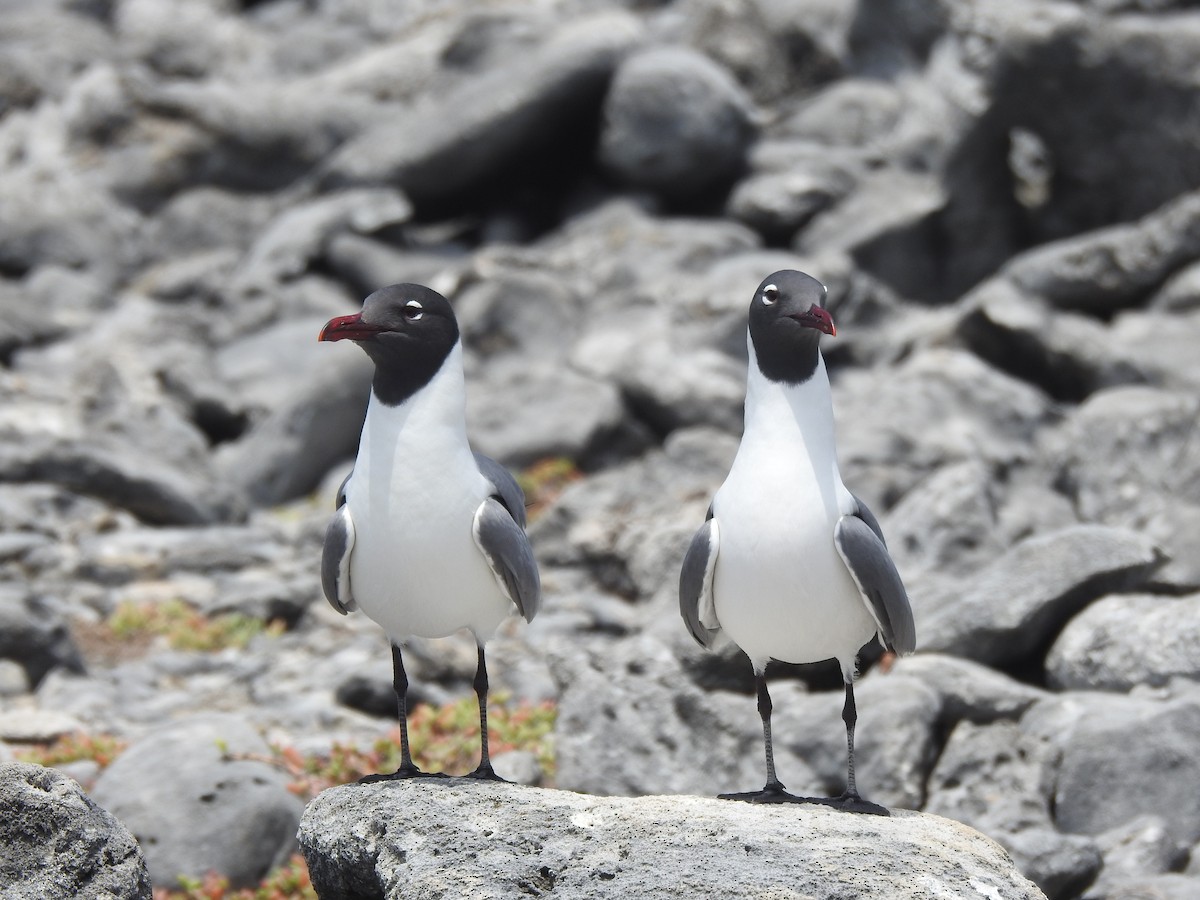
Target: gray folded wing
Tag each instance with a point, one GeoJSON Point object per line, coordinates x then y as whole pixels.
{"type": "Point", "coordinates": [507, 551]}
{"type": "Point", "coordinates": [335, 561]}
{"type": "Point", "coordinates": [864, 513]}
{"type": "Point", "coordinates": [504, 487]}
{"type": "Point", "coordinates": [696, 603]}
{"type": "Point", "coordinates": [873, 570]}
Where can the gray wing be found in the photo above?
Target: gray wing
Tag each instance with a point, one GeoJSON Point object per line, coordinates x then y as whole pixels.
{"type": "Point", "coordinates": [340, 497]}
{"type": "Point", "coordinates": [505, 487]}
{"type": "Point", "coordinates": [864, 513]}
{"type": "Point", "coordinates": [696, 603]}
{"type": "Point", "coordinates": [335, 561]}
{"type": "Point", "coordinates": [871, 567]}
{"type": "Point", "coordinates": [507, 551]}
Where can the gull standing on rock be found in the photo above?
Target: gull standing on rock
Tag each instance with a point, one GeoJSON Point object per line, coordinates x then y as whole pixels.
{"type": "Point", "coordinates": [428, 537]}
{"type": "Point", "coordinates": [790, 564]}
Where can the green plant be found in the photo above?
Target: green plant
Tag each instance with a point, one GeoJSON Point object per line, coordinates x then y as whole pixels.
{"type": "Point", "coordinates": [289, 882]}
{"type": "Point", "coordinates": [101, 748]}
{"type": "Point", "coordinates": [442, 739]}
{"type": "Point", "coordinates": [185, 627]}
{"type": "Point", "coordinates": [543, 481]}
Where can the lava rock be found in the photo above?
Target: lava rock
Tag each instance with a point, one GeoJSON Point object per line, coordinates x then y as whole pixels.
{"type": "Point", "coordinates": [198, 798]}
{"type": "Point", "coordinates": [445, 147]}
{"type": "Point", "coordinates": [675, 123]}
{"type": "Point", "coordinates": [56, 843]}
{"type": "Point", "coordinates": [1125, 640]}
{"type": "Point", "coordinates": [1018, 603]}
{"type": "Point", "coordinates": [1096, 790]}
{"type": "Point", "coordinates": [501, 840]}
{"type": "Point", "coordinates": [34, 635]}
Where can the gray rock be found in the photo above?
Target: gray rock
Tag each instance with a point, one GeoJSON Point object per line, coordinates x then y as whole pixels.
{"type": "Point", "coordinates": [1142, 847]}
{"type": "Point", "coordinates": [1159, 343]}
{"type": "Point", "coordinates": [56, 843]}
{"type": "Point", "coordinates": [1069, 356]}
{"type": "Point", "coordinates": [197, 801]}
{"type": "Point", "coordinates": [1088, 88]}
{"type": "Point", "coordinates": [948, 522]}
{"type": "Point", "coordinates": [526, 410]}
{"type": "Point", "coordinates": [299, 235]}
{"type": "Point", "coordinates": [968, 690]}
{"type": "Point", "coordinates": [24, 725]}
{"type": "Point", "coordinates": [1062, 865]}
{"type": "Point", "coordinates": [455, 141]}
{"type": "Point", "coordinates": [1180, 292]}
{"type": "Point", "coordinates": [849, 112]}
{"type": "Point", "coordinates": [1127, 457]}
{"type": "Point", "coordinates": [313, 424]}
{"type": "Point", "coordinates": [13, 680]}
{"type": "Point", "coordinates": [1097, 790]}
{"type": "Point", "coordinates": [150, 554]}
{"type": "Point", "coordinates": [367, 264]}
{"type": "Point", "coordinates": [897, 35]}
{"type": "Point", "coordinates": [1019, 602]}
{"type": "Point", "coordinates": [1157, 887]}
{"type": "Point", "coordinates": [671, 387]}
{"type": "Point", "coordinates": [630, 723]}
{"type": "Point", "coordinates": [675, 123]}
{"type": "Point", "coordinates": [34, 634]}
{"type": "Point", "coordinates": [629, 526]}
{"type": "Point", "coordinates": [1112, 268]}
{"type": "Point", "coordinates": [1121, 641]}
{"type": "Point", "coordinates": [998, 779]}
{"type": "Point", "coordinates": [887, 225]}
{"type": "Point", "coordinates": [518, 312]}
{"type": "Point", "coordinates": [459, 839]}
{"type": "Point", "coordinates": [778, 204]}
{"type": "Point", "coordinates": [898, 425]}
{"type": "Point", "coordinates": [742, 37]}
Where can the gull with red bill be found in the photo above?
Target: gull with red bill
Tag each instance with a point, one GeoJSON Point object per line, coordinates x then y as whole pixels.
{"type": "Point", "coordinates": [790, 565]}
{"type": "Point", "coordinates": [428, 537]}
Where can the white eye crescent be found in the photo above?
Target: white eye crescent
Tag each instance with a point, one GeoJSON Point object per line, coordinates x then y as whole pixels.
{"type": "Point", "coordinates": [413, 310]}
{"type": "Point", "coordinates": [770, 293]}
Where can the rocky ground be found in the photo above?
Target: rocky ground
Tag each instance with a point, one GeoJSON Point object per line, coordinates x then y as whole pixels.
{"type": "Point", "coordinates": [1004, 200]}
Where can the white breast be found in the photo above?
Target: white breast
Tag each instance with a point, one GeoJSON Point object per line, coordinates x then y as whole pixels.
{"type": "Point", "coordinates": [416, 569]}
{"type": "Point", "coordinates": [781, 590]}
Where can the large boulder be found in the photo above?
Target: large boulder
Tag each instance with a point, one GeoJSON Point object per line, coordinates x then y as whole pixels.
{"type": "Point", "coordinates": [199, 799]}
{"type": "Point", "coordinates": [676, 124]}
{"type": "Point", "coordinates": [464, 838]}
{"type": "Point", "coordinates": [1125, 640]}
{"type": "Point", "coordinates": [1014, 607]}
{"type": "Point", "coordinates": [56, 843]}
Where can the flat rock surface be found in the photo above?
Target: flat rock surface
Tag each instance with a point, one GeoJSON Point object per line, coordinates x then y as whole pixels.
{"type": "Point", "coordinates": [426, 839]}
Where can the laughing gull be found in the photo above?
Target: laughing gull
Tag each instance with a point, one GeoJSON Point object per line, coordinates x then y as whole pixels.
{"type": "Point", "coordinates": [428, 537]}
{"type": "Point", "coordinates": [790, 565]}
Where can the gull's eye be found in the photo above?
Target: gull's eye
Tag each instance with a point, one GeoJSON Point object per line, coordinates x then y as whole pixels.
{"type": "Point", "coordinates": [413, 310]}
{"type": "Point", "coordinates": [769, 295]}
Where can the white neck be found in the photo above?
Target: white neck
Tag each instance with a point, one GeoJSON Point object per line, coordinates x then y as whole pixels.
{"type": "Point", "coordinates": [795, 416]}
{"type": "Point", "coordinates": [435, 416]}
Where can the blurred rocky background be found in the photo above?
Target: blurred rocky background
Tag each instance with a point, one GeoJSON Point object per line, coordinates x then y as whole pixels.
{"type": "Point", "coordinates": [1003, 199]}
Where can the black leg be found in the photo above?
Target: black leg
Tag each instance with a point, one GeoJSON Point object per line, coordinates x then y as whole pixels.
{"type": "Point", "coordinates": [850, 801]}
{"type": "Point", "coordinates": [400, 684]}
{"type": "Point", "coordinates": [484, 771]}
{"type": "Point", "coordinates": [772, 791]}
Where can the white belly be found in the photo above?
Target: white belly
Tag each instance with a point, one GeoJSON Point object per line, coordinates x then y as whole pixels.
{"type": "Point", "coordinates": [416, 569]}
{"type": "Point", "coordinates": [781, 589]}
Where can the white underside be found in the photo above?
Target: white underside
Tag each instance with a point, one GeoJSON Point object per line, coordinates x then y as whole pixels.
{"type": "Point", "coordinates": [781, 590]}
{"type": "Point", "coordinates": [416, 569]}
